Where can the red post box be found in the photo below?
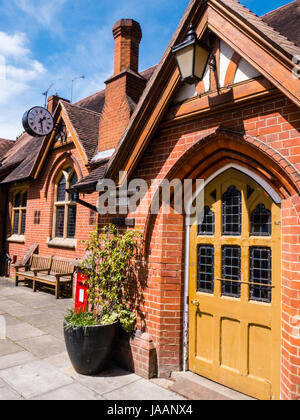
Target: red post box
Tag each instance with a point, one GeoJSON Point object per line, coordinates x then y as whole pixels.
{"type": "Point", "coordinates": [81, 299]}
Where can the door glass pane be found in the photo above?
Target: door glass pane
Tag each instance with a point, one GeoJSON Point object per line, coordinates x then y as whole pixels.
{"type": "Point", "coordinates": [60, 218]}
{"type": "Point", "coordinates": [206, 268]}
{"type": "Point", "coordinates": [231, 270]}
{"type": "Point", "coordinates": [207, 226]}
{"type": "Point", "coordinates": [260, 274]}
{"type": "Point", "coordinates": [232, 212]}
{"type": "Point", "coordinates": [71, 221]}
{"type": "Point", "coordinates": [261, 221]}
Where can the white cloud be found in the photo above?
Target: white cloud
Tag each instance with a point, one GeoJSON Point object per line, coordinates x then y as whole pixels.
{"type": "Point", "coordinates": [13, 45]}
{"type": "Point", "coordinates": [41, 11]}
{"type": "Point", "coordinates": [18, 70]}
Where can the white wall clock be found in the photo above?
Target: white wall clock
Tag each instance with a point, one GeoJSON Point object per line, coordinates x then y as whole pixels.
{"type": "Point", "coordinates": [38, 121]}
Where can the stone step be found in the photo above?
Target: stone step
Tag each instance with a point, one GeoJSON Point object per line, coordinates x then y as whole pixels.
{"type": "Point", "coordinates": [195, 387]}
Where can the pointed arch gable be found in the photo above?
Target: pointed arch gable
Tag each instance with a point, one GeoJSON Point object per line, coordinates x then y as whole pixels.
{"type": "Point", "coordinates": [262, 47]}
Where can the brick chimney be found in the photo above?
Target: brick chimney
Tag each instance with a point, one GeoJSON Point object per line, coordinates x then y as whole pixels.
{"type": "Point", "coordinates": [53, 102]}
{"type": "Point", "coordinates": [125, 87]}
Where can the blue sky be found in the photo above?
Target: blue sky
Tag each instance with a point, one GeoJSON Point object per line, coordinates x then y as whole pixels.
{"type": "Point", "coordinates": [54, 41]}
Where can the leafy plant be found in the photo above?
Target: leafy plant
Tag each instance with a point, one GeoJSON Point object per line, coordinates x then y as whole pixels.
{"type": "Point", "coordinates": [110, 268]}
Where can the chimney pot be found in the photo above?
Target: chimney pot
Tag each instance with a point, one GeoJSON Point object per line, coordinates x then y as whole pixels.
{"type": "Point", "coordinates": [127, 34]}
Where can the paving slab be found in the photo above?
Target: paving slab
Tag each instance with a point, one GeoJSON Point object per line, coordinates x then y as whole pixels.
{"type": "Point", "coordinates": [22, 331]}
{"type": "Point", "coordinates": [8, 347]}
{"type": "Point", "coordinates": [44, 318]}
{"type": "Point", "coordinates": [110, 380]}
{"type": "Point", "coordinates": [34, 379]}
{"type": "Point", "coordinates": [34, 300]}
{"type": "Point", "coordinates": [43, 346]}
{"type": "Point", "coordinates": [16, 309]}
{"type": "Point", "coordinates": [11, 320]}
{"type": "Point", "coordinates": [74, 391]}
{"type": "Point", "coordinates": [8, 394]}
{"type": "Point", "coordinates": [60, 361]}
{"type": "Point", "coordinates": [142, 390]}
{"type": "Point", "coordinates": [55, 328]}
{"type": "Point", "coordinates": [15, 359]}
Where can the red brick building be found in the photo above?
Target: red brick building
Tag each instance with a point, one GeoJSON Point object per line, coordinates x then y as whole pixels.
{"type": "Point", "coordinates": [221, 296]}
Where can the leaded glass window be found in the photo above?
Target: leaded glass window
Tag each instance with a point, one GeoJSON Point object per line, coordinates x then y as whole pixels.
{"type": "Point", "coordinates": [232, 212]}
{"type": "Point", "coordinates": [205, 268]}
{"type": "Point", "coordinates": [64, 207]}
{"type": "Point", "coordinates": [207, 226]}
{"type": "Point", "coordinates": [260, 274]}
{"type": "Point", "coordinates": [19, 213]}
{"type": "Point", "coordinates": [261, 221]}
{"type": "Point", "coordinates": [231, 270]}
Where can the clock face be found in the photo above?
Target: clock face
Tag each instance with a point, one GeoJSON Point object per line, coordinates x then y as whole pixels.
{"type": "Point", "coordinates": [38, 121]}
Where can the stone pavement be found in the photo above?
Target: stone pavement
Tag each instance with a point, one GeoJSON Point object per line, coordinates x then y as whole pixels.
{"type": "Point", "coordinates": [34, 364]}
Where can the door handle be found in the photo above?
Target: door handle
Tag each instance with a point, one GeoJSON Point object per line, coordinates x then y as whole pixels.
{"type": "Point", "coordinates": [195, 303]}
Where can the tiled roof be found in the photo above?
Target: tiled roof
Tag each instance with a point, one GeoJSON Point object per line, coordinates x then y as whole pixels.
{"type": "Point", "coordinates": [96, 102]}
{"type": "Point", "coordinates": [286, 20]}
{"type": "Point", "coordinates": [5, 145]}
{"type": "Point", "coordinates": [20, 159]}
{"type": "Point", "coordinates": [86, 124]}
{"type": "Point", "coordinates": [91, 180]}
{"type": "Point", "coordinates": [266, 30]}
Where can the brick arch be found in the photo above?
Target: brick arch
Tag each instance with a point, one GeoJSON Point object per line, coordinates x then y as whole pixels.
{"type": "Point", "coordinates": [66, 157]}
{"type": "Point", "coordinates": [222, 147]}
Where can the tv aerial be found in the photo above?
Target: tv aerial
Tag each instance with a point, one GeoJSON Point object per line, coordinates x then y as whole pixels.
{"type": "Point", "coordinates": [46, 93]}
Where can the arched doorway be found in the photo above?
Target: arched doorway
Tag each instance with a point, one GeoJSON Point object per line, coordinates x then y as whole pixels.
{"type": "Point", "coordinates": [234, 287]}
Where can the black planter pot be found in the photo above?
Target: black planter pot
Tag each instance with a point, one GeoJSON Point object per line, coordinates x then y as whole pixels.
{"type": "Point", "coordinates": [90, 348]}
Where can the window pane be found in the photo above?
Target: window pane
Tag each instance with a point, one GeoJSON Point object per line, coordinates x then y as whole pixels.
{"type": "Point", "coordinates": [18, 200]}
{"type": "Point", "coordinates": [60, 218]}
{"type": "Point", "coordinates": [61, 189]}
{"type": "Point", "coordinates": [260, 273]}
{"type": "Point", "coordinates": [16, 222]}
{"type": "Point", "coordinates": [232, 212]}
{"type": "Point", "coordinates": [23, 222]}
{"type": "Point", "coordinates": [206, 268]}
{"type": "Point", "coordinates": [261, 221]}
{"type": "Point", "coordinates": [73, 180]}
{"type": "Point", "coordinates": [24, 199]}
{"type": "Point", "coordinates": [231, 270]}
{"type": "Point", "coordinates": [71, 221]}
{"type": "Point", "coordinates": [207, 227]}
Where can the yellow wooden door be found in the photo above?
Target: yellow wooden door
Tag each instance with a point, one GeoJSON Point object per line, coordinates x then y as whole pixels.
{"type": "Point", "coordinates": [234, 296]}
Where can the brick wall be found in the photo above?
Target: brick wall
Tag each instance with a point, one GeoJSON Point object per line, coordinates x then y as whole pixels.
{"type": "Point", "coordinates": [275, 123]}
{"type": "Point", "coordinates": [41, 198]}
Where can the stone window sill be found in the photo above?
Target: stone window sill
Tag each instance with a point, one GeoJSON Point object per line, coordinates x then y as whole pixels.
{"type": "Point", "coordinates": [62, 243]}
{"type": "Point", "coordinates": [19, 239]}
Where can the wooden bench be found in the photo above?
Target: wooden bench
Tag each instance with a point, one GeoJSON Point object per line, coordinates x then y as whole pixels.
{"type": "Point", "coordinates": [52, 271]}
{"type": "Point", "coordinates": [36, 263]}
{"type": "Point", "coordinates": [60, 272]}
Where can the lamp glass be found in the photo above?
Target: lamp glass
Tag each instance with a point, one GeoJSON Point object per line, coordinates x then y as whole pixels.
{"type": "Point", "coordinates": [202, 55]}
{"type": "Point", "coordinates": [185, 60]}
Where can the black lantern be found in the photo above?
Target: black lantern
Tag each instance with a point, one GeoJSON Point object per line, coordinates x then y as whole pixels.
{"type": "Point", "coordinates": [192, 58]}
